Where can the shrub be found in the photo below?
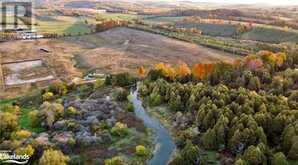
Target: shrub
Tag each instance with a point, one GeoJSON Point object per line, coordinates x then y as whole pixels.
{"type": "Point", "coordinates": [14, 109]}
{"type": "Point", "coordinates": [121, 94]}
{"type": "Point", "coordinates": [52, 112]}
{"type": "Point", "coordinates": [35, 118]}
{"type": "Point", "coordinates": [188, 155]}
{"type": "Point", "coordinates": [8, 124]}
{"type": "Point", "coordinates": [154, 75]}
{"type": "Point", "coordinates": [58, 88]}
{"type": "Point", "coordinates": [240, 162]}
{"type": "Point", "coordinates": [119, 129]}
{"type": "Point", "coordinates": [85, 90]}
{"type": "Point", "coordinates": [117, 160]}
{"type": "Point", "coordinates": [130, 107]}
{"type": "Point", "coordinates": [29, 150]}
{"type": "Point", "coordinates": [154, 99]}
{"type": "Point", "coordinates": [47, 96]}
{"type": "Point", "coordinates": [141, 150]}
{"type": "Point", "coordinates": [75, 160]}
{"type": "Point", "coordinates": [31, 99]}
{"type": "Point", "coordinates": [53, 157]}
{"type": "Point", "coordinates": [71, 111]}
{"type": "Point", "coordinates": [99, 83]}
{"type": "Point", "coordinates": [293, 153]}
{"type": "Point", "coordinates": [123, 80]}
{"type": "Point", "coordinates": [108, 80]}
{"type": "Point", "coordinates": [19, 135]}
{"type": "Point", "coordinates": [279, 159]}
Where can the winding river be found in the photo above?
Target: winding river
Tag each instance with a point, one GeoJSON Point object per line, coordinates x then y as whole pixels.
{"type": "Point", "coordinates": [164, 144]}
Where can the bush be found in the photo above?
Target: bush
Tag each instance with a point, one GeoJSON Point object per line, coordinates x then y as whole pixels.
{"type": "Point", "coordinates": [52, 112]}
{"type": "Point", "coordinates": [293, 153]}
{"type": "Point", "coordinates": [53, 157]}
{"type": "Point", "coordinates": [117, 160]}
{"type": "Point", "coordinates": [31, 99]}
{"type": "Point", "coordinates": [108, 80]}
{"type": "Point", "coordinates": [154, 99]}
{"type": "Point", "coordinates": [188, 155]}
{"type": "Point", "coordinates": [99, 83]}
{"type": "Point", "coordinates": [75, 160]}
{"type": "Point", "coordinates": [279, 159]}
{"type": "Point", "coordinates": [29, 150]}
{"type": "Point", "coordinates": [130, 107]}
{"type": "Point", "coordinates": [154, 75]}
{"type": "Point", "coordinates": [14, 109]}
{"type": "Point", "coordinates": [35, 119]}
{"type": "Point", "coordinates": [240, 162]}
{"type": "Point", "coordinates": [141, 150]}
{"type": "Point", "coordinates": [121, 94]}
{"type": "Point", "coordinates": [119, 129]}
{"type": "Point", "coordinates": [8, 124]}
{"type": "Point", "coordinates": [85, 90]}
{"type": "Point", "coordinates": [47, 96]}
{"type": "Point", "coordinates": [58, 88]}
{"type": "Point", "coordinates": [123, 80]}
{"type": "Point", "coordinates": [19, 135]}
{"type": "Point", "coordinates": [71, 111]}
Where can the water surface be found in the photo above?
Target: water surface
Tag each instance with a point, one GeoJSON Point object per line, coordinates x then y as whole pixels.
{"type": "Point", "coordinates": [164, 144]}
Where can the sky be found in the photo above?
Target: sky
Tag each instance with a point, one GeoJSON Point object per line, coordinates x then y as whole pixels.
{"type": "Point", "coordinates": [271, 2]}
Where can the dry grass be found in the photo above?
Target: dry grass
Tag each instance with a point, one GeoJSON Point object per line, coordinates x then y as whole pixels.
{"type": "Point", "coordinates": [112, 51]}
{"type": "Point", "coordinates": [126, 49]}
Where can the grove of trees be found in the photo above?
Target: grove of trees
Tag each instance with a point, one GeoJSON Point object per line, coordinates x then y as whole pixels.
{"type": "Point", "coordinates": [248, 108]}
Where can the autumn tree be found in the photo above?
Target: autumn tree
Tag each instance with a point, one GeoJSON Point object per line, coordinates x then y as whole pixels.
{"type": "Point", "coordinates": [8, 125]}
{"type": "Point", "coordinates": [199, 71]}
{"type": "Point", "coordinates": [142, 71]}
{"type": "Point", "coordinates": [53, 157]}
{"type": "Point", "coordinates": [183, 70]}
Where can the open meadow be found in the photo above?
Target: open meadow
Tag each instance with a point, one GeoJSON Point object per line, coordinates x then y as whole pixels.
{"type": "Point", "coordinates": [113, 51]}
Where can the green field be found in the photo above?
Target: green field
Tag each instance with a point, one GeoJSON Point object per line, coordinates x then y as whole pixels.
{"type": "Point", "coordinates": [271, 35]}
{"type": "Point", "coordinates": [118, 16]}
{"type": "Point", "coordinates": [64, 25]}
{"type": "Point", "coordinates": [159, 20]}
{"type": "Point", "coordinates": [222, 30]}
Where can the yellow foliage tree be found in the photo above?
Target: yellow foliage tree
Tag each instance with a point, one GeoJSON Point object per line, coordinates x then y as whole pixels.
{"type": "Point", "coordinates": [29, 150]}
{"type": "Point", "coordinates": [53, 157]}
{"type": "Point", "coordinates": [183, 70]}
{"type": "Point", "coordinates": [166, 69]}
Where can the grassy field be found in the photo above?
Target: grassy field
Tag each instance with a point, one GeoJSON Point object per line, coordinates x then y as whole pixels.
{"type": "Point", "coordinates": [224, 30]}
{"type": "Point", "coordinates": [64, 25]}
{"type": "Point", "coordinates": [116, 16]}
{"type": "Point", "coordinates": [271, 35]}
{"type": "Point", "coordinates": [159, 20]}
{"type": "Point", "coordinates": [125, 49]}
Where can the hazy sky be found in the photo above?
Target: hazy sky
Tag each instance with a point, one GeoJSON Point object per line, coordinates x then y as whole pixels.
{"type": "Point", "coordinates": [272, 2]}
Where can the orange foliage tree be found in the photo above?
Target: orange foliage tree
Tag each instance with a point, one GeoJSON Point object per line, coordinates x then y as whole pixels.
{"type": "Point", "coordinates": [142, 71]}
{"type": "Point", "coordinates": [183, 70]}
{"type": "Point", "coordinates": [199, 71]}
